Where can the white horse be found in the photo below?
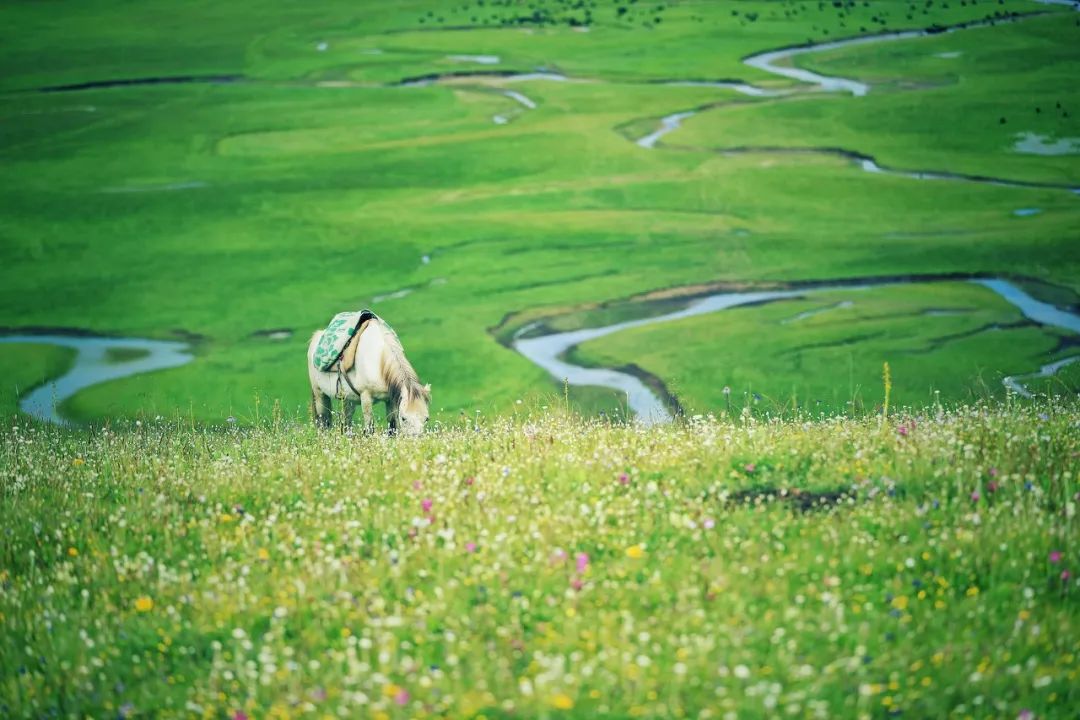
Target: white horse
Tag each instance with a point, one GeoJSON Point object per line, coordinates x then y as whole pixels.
{"type": "Point", "coordinates": [380, 372]}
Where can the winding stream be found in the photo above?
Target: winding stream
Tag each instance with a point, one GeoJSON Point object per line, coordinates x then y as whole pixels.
{"type": "Point", "coordinates": [775, 62]}
{"type": "Point", "coordinates": [549, 351]}
{"type": "Point", "coordinates": [94, 363]}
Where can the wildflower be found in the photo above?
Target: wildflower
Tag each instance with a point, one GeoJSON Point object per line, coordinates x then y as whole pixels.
{"type": "Point", "coordinates": [401, 697]}
{"type": "Point", "coordinates": [708, 523]}
{"type": "Point", "coordinates": [144, 604]}
{"type": "Point", "coordinates": [992, 486]}
{"type": "Point", "coordinates": [1025, 714]}
{"type": "Point", "coordinates": [78, 461]}
{"type": "Point", "coordinates": [264, 554]}
{"type": "Point", "coordinates": [992, 472]}
{"type": "Point", "coordinates": [1065, 575]}
{"type": "Point", "coordinates": [635, 551]}
{"type": "Point", "coordinates": [562, 701]}
{"type": "Point", "coordinates": [425, 505]}
{"type": "Point", "coordinates": [1055, 556]}
{"type": "Point", "coordinates": [972, 591]}
{"type": "Point", "coordinates": [749, 467]}
{"type": "Point", "coordinates": [902, 430]}
{"type": "Point", "coordinates": [742, 672]}
{"type": "Point", "coordinates": [240, 715]}
{"type": "Point", "coordinates": [470, 547]}
{"type": "Point", "coordinates": [975, 496]}
{"type": "Point", "coordinates": [900, 603]}
{"type": "Point", "coordinates": [581, 562]}
{"type": "Point", "coordinates": [624, 479]}
{"type": "Point", "coordinates": [73, 552]}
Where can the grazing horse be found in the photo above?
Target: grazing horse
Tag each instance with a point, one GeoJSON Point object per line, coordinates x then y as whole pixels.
{"type": "Point", "coordinates": [380, 372]}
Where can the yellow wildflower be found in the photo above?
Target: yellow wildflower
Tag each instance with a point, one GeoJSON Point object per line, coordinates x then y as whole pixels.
{"type": "Point", "coordinates": [73, 552]}
{"type": "Point", "coordinates": [900, 602]}
{"type": "Point", "coordinates": [562, 701]}
{"type": "Point", "coordinates": [972, 591]}
{"type": "Point", "coordinates": [635, 551]}
{"type": "Point", "coordinates": [78, 461]}
{"type": "Point", "coordinates": [144, 604]}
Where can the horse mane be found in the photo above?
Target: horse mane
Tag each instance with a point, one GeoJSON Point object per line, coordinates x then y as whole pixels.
{"type": "Point", "coordinates": [397, 372]}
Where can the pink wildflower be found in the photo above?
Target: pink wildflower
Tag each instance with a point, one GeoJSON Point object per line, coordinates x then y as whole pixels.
{"type": "Point", "coordinates": [992, 486]}
{"type": "Point", "coordinates": [975, 496]}
{"type": "Point", "coordinates": [425, 505]}
{"type": "Point", "coordinates": [240, 715]}
{"type": "Point", "coordinates": [902, 430]}
{"type": "Point", "coordinates": [624, 479]}
{"type": "Point", "coordinates": [581, 561]}
{"type": "Point", "coordinates": [576, 583]}
{"type": "Point", "coordinates": [1065, 574]}
{"type": "Point", "coordinates": [470, 547]}
{"type": "Point", "coordinates": [1055, 556]}
{"type": "Point", "coordinates": [401, 697]}
{"type": "Point", "coordinates": [709, 523]}
{"type": "Point", "coordinates": [750, 467]}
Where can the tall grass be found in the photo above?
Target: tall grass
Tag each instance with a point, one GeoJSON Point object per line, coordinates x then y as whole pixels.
{"type": "Point", "coordinates": [546, 565]}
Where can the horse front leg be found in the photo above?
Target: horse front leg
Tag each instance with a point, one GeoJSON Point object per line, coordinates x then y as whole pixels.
{"type": "Point", "coordinates": [391, 415]}
{"type": "Point", "coordinates": [369, 416]}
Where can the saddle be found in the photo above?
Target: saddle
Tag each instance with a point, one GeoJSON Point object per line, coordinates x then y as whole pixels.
{"type": "Point", "coordinates": [336, 351]}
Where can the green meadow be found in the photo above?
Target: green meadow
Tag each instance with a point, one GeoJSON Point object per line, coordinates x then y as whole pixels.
{"type": "Point", "coordinates": [851, 517]}
{"type": "Point", "coordinates": [543, 565]}
{"type": "Point", "coordinates": [312, 183]}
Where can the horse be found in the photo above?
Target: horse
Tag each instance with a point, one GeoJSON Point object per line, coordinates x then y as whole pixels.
{"type": "Point", "coordinates": [380, 372]}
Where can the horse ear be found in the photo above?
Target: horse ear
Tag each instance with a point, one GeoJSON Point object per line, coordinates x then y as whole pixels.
{"type": "Point", "coordinates": [428, 387]}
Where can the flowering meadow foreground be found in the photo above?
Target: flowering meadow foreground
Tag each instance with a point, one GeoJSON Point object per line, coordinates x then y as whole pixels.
{"type": "Point", "coordinates": [924, 566]}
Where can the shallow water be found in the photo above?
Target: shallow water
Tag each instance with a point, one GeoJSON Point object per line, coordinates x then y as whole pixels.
{"type": "Point", "coordinates": [739, 87]}
{"type": "Point", "coordinates": [1035, 144]}
{"type": "Point", "coordinates": [94, 365]}
{"type": "Point", "coordinates": [479, 59]}
{"type": "Point", "coordinates": [770, 61]}
{"type": "Point", "coordinates": [548, 351]}
{"type": "Point", "coordinates": [1048, 370]}
{"type": "Point", "coordinates": [668, 124]}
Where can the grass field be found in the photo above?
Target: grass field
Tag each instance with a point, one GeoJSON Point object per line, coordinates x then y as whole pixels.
{"type": "Point", "coordinates": [952, 341]}
{"type": "Point", "coordinates": [544, 566]}
{"type": "Point", "coordinates": [312, 184]}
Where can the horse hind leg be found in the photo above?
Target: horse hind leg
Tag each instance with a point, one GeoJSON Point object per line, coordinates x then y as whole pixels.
{"type": "Point", "coordinates": [369, 417]}
{"type": "Point", "coordinates": [321, 409]}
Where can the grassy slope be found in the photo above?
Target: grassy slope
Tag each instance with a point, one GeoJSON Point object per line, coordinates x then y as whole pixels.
{"type": "Point", "coordinates": [278, 572]}
{"type": "Point", "coordinates": [318, 198]}
{"type": "Point", "coordinates": [928, 112]}
{"type": "Point", "coordinates": [24, 367]}
{"type": "Point", "coordinates": [835, 357]}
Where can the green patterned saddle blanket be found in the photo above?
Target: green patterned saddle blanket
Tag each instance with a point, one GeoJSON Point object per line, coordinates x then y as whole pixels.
{"type": "Point", "coordinates": [336, 337]}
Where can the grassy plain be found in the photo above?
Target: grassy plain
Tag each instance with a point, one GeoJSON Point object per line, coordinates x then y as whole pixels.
{"type": "Point", "coordinates": [545, 566]}
{"type": "Point", "coordinates": [825, 352]}
{"type": "Point", "coordinates": [310, 185]}
{"type": "Point", "coordinates": [937, 103]}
